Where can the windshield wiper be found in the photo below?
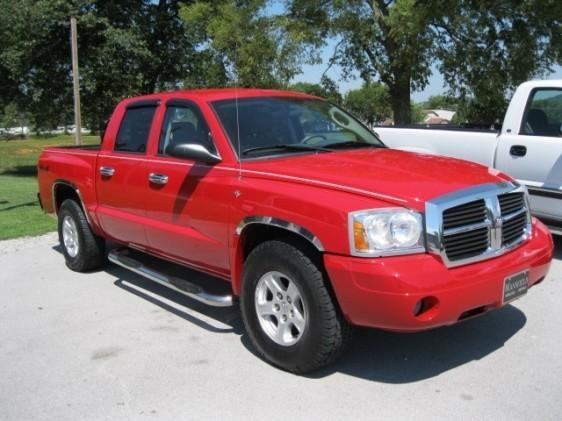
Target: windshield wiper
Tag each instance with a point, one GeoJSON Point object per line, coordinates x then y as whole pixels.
{"type": "Point", "coordinates": [351, 144]}
{"type": "Point", "coordinates": [301, 147]}
{"type": "Point", "coordinates": [286, 147]}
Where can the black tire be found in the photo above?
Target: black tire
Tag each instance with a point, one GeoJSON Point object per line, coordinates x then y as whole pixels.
{"type": "Point", "coordinates": [91, 248]}
{"type": "Point", "coordinates": [326, 333]}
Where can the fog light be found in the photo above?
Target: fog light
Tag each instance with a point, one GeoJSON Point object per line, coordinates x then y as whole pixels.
{"type": "Point", "coordinates": [426, 308]}
{"type": "Point", "coordinates": [417, 308]}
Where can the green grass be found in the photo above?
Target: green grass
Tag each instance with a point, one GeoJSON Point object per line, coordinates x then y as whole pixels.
{"type": "Point", "coordinates": [20, 214]}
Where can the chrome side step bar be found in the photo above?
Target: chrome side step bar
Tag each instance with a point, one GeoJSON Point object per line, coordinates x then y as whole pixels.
{"type": "Point", "coordinates": [555, 230]}
{"type": "Point", "coordinates": [119, 257]}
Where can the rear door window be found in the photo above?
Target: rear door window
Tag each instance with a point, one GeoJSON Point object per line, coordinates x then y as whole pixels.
{"type": "Point", "coordinates": [543, 116]}
{"type": "Point", "coordinates": [134, 130]}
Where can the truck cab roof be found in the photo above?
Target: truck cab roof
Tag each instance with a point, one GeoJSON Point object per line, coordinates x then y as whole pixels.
{"type": "Point", "coordinates": [217, 94]}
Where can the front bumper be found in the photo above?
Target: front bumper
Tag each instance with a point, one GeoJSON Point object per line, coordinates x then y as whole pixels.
{"type": "Point", "coordinates": [383, 292]}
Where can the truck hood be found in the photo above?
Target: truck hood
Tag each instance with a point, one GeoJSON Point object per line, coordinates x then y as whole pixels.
{"type": "Point", "coordinates": [398, 177]}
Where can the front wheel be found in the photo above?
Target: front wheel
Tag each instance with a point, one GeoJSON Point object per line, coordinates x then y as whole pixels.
{"type": "Point", "coordinates": [82, 249]}
{"type": "Point", "coordinates": [288, 311]}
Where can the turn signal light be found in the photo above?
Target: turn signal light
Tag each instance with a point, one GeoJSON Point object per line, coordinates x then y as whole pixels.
{"type": "Point", "coordinates": [359, 236]}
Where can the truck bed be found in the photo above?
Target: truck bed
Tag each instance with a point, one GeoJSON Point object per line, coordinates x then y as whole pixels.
{"type": "Point", "coordinates": [76, 163]}
{"type": "Point", "coordinates": [95, 147]}
{"type": "Point", "coordinates": [452, 143]}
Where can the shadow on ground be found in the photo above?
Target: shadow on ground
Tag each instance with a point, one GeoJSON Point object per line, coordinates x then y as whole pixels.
{"type": "Point", "coordinates": [21, 205]}
{"type": "Point", "coordinates": [373, 355]}
{"type": "Point", "coordinates": [558, 247]}
{"type": "Point", "coordinates": [22, 170]}
{"type": "Point", "coordinates": [153, 292]}
{"type": "Point", "coordinates": [404, 358]}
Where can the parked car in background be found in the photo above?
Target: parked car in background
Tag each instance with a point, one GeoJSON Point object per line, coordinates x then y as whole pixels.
{"type": "Point", "coordinates": [528, 147]}
{"type": "Point", "coordinates": [314, 224]}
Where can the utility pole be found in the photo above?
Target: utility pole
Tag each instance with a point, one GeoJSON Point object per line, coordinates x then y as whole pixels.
{"type": "Point", "coordinates": [76, 80]}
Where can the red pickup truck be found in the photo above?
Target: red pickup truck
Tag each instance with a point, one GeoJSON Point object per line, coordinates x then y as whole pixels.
{"type": "Point", "coordinates": [316, 225]}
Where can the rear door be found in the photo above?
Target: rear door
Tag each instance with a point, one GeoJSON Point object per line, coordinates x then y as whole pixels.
{"type": "Point", "coordinates": [187, 201]}
{"type": "Point", "coordinates": [534, 155]}
{"type": "Point", "coordinates": [123, 173]}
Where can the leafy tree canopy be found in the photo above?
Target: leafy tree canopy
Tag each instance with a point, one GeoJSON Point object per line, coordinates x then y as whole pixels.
{"type": "Point", "coordinates": [125, 48]}
{"type": "Point", "coordinates": [325, 89]}
{"type": "Point", "coordinates": [484, 48]}
{"type": "Point", "coordinates": [442, 102]}
{"type": "Point", "coordinates": [370, 103]}
{"type": "Point", "coordinates": [241, 44]}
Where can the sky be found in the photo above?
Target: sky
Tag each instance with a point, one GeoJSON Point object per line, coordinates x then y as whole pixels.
{"type": "Point", "coordinates": [313, 73]}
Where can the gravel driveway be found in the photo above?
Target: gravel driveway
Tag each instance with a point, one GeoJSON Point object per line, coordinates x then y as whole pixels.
{"type": "Point", "coordinates": [112, 346]}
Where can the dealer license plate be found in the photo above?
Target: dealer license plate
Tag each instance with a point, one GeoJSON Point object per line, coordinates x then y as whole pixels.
{"type": "Point", "coordinates": [515, 286]}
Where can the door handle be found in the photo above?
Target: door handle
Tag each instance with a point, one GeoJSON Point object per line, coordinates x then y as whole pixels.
{"type": "Point", "coordinates": [518, 150]}
{"type": "Point", "coordinates": [107, 171]}
{"type": "Point", "coordinates": [157, 178]}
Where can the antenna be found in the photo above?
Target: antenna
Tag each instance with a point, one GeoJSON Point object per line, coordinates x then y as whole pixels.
{"type": "Point", "coordinates": [237, 113]}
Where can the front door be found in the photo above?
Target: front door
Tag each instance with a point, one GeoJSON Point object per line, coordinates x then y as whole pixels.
{"type": "Point", "coordinates": [188, 201]}
{"type": "Point", "coordinates": [534, 156]}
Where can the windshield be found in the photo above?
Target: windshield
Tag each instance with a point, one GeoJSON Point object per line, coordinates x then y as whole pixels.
{"type": "Point", "coordinates": [270, 125]}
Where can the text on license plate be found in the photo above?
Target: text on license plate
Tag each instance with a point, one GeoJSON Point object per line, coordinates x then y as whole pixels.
{"type": "Point", "coordinates": [515, 286]}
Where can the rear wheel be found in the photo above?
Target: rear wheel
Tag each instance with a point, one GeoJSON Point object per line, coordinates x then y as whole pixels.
{"type": "Point", "coordinates": [82, 249]}
{"type": "Point", "coordinates": [288, 311]}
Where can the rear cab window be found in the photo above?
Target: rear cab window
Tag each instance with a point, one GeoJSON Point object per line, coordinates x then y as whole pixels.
{"type": "Point", "coordinates": [135, 128]}
{"type": "Point", "coordinates": [543, 116]}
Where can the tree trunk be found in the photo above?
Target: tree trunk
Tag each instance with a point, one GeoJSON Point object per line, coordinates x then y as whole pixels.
{"type": "Point", "coordinates": [400, 103]}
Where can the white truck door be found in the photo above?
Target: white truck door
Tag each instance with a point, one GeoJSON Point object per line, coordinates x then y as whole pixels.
{"type": "Point", "coordinates": [532, 152]}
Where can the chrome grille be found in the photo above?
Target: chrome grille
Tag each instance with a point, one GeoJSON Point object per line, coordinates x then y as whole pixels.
{"type": "Point", "coordinates": [511, 202]}
{"type": "Point", "coordinates": [469, 213]}
{"type": "Point", "coordinates": [466, 244]}
{"type": "Point", "coordinates": [514, 214]}
{"type": "Point", "coordinates": [477, 223]}
{"type": "Point", "coordinates": [514, 229]}
{"type": "Point", "coordinates": [461, 243]}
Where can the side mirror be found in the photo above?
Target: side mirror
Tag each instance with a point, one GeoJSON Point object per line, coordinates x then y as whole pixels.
{"type": "Point", "coordinates": [193, 151]}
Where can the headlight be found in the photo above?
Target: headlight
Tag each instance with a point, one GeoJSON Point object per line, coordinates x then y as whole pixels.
{"type": "Point", "coordinates": [382, 232]}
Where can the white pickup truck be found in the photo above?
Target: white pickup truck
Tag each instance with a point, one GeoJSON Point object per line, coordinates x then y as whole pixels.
{"type": "Point", "coordinates": [528, 147]}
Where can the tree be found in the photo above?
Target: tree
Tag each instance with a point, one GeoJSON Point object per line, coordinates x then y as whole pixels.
{"type": "Point", "coordinates": [483, 48]}
{"type": "Point", "coordinates": [242, 44]}
{"type": "Point", "coordinates": [487, 48]}
{"type": "Point", "coordinates": [325, 89]}
{"type": "Point", "coordinates": [125, 48]}
{"type": "Point", "coordinates": [442, 102]}
{"type": "Point", "coordinates": [10, 117]}
{"type": "Point", "coordinates": [370, 103]}
{"type": "Point", "coordinates": [417, 111]}
{"type": "Point", "coordinates": [381, 40]}
{"type": "Point", "coordinates": [12, 121]}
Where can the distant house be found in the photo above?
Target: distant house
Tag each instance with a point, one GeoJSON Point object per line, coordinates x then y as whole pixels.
{"type": "Point", "coordinates": [438, 116]}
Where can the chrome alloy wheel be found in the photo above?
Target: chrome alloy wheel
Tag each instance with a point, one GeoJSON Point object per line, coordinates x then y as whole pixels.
{"type": "Point", "coordinates": [280, 308]}
{"type": "Point", "coordinates": [70, 236]}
